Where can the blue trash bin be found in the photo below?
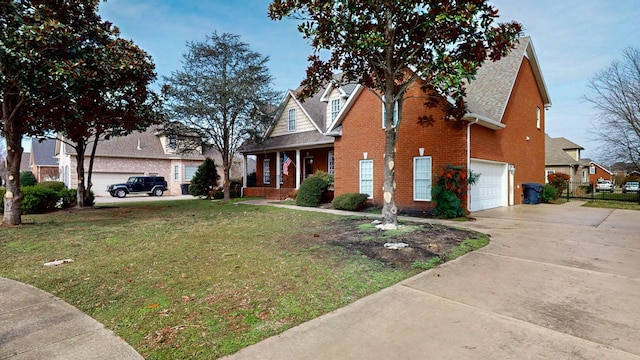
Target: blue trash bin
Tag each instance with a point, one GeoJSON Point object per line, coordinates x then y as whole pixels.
{"type": "Point", "coordinates": [532, 193]}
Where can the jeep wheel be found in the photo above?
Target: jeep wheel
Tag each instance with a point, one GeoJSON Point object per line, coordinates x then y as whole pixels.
{"type": "Point", "coordinates": [157, 192]}
{"type": "Point", "coordinates": [121, 193]}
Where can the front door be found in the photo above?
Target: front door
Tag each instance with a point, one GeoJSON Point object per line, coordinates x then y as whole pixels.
{"type": "Point", "coordinates": [308, 167]}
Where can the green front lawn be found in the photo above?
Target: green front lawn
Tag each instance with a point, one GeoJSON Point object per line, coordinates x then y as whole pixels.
{"type": "Point", "coordinates": [194, 278]}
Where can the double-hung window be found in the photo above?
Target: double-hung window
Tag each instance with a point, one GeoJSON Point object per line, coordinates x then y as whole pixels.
{"type": "Point", "coordinates": [422, 178]}
{"type": "Point", "coordinates": [266, 171]}
{"type": "Point", "coordinates": [366, 177]}
{"type": "Point", "coordinates": [335, 108]}
{"type": "Point", "coordinates": [292, 119]}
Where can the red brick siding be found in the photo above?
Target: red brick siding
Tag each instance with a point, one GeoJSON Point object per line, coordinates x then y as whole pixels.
{"type": "Point", "coordinates": [510, 144]}
{"type": "Point", "coordinates": [600, 173]}
{"type": "Point", "coordinates": [362, 132]}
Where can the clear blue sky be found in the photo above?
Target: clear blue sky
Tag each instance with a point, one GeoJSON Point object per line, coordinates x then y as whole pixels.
{"type": "Point", "coordinates": [573, 39]}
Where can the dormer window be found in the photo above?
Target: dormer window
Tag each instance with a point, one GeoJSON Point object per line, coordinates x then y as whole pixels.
{"type": "Point", "coordinates": [335, 108]}
{"type": "Point", "coordinates": [173, 142]}
{"type": "Point", "coordinates": [292, 119]}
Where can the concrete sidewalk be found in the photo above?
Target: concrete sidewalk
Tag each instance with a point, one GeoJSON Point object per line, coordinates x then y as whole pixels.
{"type": "Point", "coordinates": [556, 282]}
{"type": "Point", "coordinates": [38, 325]}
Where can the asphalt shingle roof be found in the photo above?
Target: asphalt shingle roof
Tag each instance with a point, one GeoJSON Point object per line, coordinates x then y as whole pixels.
{"type": "Point", "coordinates": [489, 93]}
{"type": "Point", "coordinates": [554, 151]}
{"type": "Point", "coordinates": [43, 151]}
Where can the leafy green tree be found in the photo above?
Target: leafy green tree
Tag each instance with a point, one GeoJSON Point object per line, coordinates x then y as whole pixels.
{"type": "Point", "coordinates": [110, 98]}
{"type": "Point", "coordinates": [217, 92]}
{"type": "Point", "coordinates": [63, 69]}
{"type": "Point", "coordinates": [205, 180]}
{"type": "Point", "coordinates": [389, 46]}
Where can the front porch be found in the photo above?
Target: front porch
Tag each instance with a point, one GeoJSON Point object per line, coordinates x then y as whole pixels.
{"type": "Point", "coordinates": [269, 193]}
{"type": "Point", "coordinates": [279, 182]}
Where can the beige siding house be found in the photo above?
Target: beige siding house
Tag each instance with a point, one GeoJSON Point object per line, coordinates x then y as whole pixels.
{"type": "Point", "coordinates": [141, 153]}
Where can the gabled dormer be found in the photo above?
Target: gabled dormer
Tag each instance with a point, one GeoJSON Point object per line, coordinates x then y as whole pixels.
{"type": "Point", "coordinates": [292, 118]}
{"type": "Point", "coordinates": [177, 139]}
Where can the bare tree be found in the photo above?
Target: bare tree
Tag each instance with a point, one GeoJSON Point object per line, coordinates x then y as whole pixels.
{"type": "Point", "coordinates": [615, 93]}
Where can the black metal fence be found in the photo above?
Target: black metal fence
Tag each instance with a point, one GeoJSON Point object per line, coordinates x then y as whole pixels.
{"type": "Point", "coordinates": [588, 192]}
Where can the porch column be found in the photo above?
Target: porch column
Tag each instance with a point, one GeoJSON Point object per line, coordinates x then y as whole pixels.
{"type": "Point", "coordinates": [297, 170]}
{"type": "Point", "coordinates": [278, 170]}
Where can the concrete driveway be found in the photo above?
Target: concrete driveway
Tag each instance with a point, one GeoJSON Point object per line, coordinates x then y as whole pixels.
{"type": "Point", "coordinates": [556, 282]}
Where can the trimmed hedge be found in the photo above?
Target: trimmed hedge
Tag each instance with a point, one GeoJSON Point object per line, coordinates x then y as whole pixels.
{"type": "Point", "coordinates": [311, 191]}
{"type": "Point", "coordinates": [45, 197]}
{"type": "Point", "coordinates": [27, 178]}
{"type": "Point", "coordinates": [38, 200]}
{"type": "Point", "coordinates": [350, 202]}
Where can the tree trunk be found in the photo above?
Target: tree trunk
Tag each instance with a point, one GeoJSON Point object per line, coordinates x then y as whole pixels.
{"type": "Point", "coordinates": [13, 137]}
{"type": "Point", "coordinates": [13, 196]}
{"type": "Point", "coordinates": [389, 209]}
{"type": "Point", "coordinates": [90, 172]}
{"type": "Point", "coordinates": [226, 183]}
{"type": "Point", "coordinates": [82, 193]}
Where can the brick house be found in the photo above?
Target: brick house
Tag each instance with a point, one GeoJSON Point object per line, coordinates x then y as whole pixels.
{"type": "Point", "coordinates": [502, 138]}
{"type": "Point", "coordinates": [141, 153]}
{"type": "Point", "coordinates": [42, 161]}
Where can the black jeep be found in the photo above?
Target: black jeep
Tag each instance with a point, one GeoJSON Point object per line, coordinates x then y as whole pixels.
{"type": "Point", "coordinates": [151, 185]}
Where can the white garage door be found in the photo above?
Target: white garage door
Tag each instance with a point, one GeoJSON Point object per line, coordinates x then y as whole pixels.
{"type": "Point", "coordinates": [102, 180]}
{"type": "Point", "coordinates": [492, 188]}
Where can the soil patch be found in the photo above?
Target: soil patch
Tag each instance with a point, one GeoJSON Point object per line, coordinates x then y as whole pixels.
{"type": "Point", "coordinates": [424, 241]}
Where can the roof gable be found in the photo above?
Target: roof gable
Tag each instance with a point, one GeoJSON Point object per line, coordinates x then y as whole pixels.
{"type": "Point", "coordinates": [43, 152]}
{"type": "Point", "coordinates": [488, 95]}
{"type": "Point", "coordinates": [556, 151]}
{"type": "Point", "coordinates": [304, 120]}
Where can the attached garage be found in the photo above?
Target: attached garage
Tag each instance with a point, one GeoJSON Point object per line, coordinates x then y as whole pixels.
{"type": "Point", "coordinates": [492, 188]}
{"type": "Point", "coordinates": [101, 180]}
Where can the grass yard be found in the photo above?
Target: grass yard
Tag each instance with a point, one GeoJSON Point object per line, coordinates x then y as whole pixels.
{"type": "Point", "coordinates": [187, 279]}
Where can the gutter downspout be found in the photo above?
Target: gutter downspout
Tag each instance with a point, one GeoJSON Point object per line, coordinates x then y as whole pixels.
{"type": "Point", "coordinates": [475, 120]}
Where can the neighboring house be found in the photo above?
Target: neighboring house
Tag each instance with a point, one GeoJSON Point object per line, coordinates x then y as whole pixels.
{"type": "Point", "coordinates": [340, 131]}
{"type": "Point", "coordinates": [622, 169]}
{"type": "Point", "coordinates": [42, 160]}
{"type": "Point", "coordinates": [563, 155]}
{"type": "Point", "coordinates": [141, 153]}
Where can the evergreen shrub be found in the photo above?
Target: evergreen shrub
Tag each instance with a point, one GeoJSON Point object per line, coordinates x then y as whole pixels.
{"type": "Point", "coordinates": [350, 202]}
{"type": "Point", "coordinates": [311, 191]}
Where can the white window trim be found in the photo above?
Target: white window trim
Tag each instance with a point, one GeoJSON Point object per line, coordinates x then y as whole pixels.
{"type": "Point", "coordinates": [292, 120]}
{"type": "Point", "coordinates": [538, 117]}
{"type": "Point", "coordinates": [546, 175]}
{"type": "Point", "coordinates": [176, 172]}
{"type": "Point", "coordinates": [428, 195]}
{"type": "Point", "coordinates": [335, 108]}
{"type": "Point", "coordinates": [266, 171]}
{"type": "Point", "coordinates": [360, 178]}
